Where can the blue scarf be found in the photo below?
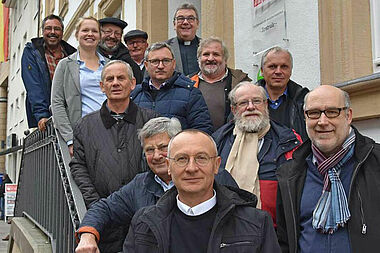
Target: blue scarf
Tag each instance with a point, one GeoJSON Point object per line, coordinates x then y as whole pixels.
{"type": "Point", "coordinates": [331, 211]}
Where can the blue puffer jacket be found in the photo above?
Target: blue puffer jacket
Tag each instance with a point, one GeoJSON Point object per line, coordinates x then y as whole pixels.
{"type": "Point", "coordinates": [178, 98]}
{"type": "Point", "coordinates": [119, 208]}
{"type": "Point", "coordinates": [36, 78]}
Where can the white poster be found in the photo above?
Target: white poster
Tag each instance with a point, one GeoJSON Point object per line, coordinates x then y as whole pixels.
{"type": "Point", "coordinates": [269, 24]}
{"type": "Point", "coordinates": [10, 199]}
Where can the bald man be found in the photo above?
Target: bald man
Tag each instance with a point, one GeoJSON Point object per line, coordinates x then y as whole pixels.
{"type": "Point", "coordinates": [328, 197]}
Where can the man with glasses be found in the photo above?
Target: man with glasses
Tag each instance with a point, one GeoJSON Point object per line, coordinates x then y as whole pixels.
{"type": "Point", "coordinates": [38, 63]}
{"type": "Point", "coordinates": [169, 92]}
{"type": "Point", "coordinates": [329, 197]}
{"type": "Point", "coordinates": [199, 215]}
{"type": "Point", "coordinates": [110, 46]}
{"type": "Point", "coordinates": [185, 44]}
{"type": "Point", "coordinates": [136, 41]}
{"type": "Point", "coordinates": [144, 190]}
{"type": "Point", "coordinates": [252, 146]}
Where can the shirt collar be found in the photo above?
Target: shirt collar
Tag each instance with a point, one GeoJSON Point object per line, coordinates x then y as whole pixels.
{"type": "Point", "coordinates": [109, 121]}
{"type": "Point", "coordinates": [283, 94]}
{"type": "Point", "coordinates": [152, 87]}
{"type": "Point", "coordinates": [161, 182]}
{"type": "Point", "coordinates": [198, 209]}
{"type": "Point", "coordinates": [224, 76]}
{"type": "Point", "coordinates": [102, 60]}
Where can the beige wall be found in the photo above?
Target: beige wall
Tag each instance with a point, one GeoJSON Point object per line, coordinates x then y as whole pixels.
{"type": "Point", "coordinates": [346, 52]}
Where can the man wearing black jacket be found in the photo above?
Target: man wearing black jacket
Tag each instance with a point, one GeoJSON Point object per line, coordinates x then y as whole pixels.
{"type": "Point", "coordinates": [285, 97]}
{"type": "Point", "coordinates": [199, 215]}
{"type": "Point", "coordinates": [111, 47]}
{"type": "Point", "coordinates": [328, 198]}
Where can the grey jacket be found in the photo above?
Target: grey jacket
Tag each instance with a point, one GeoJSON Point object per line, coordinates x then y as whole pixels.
{"type": "Point", "coordinates": [66, 99]}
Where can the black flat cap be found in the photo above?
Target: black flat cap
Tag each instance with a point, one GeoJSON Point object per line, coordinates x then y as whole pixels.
{"type": "Point", "coordinates": [115, 21]}
{"type": "Point", "coordinates": [135, 34]}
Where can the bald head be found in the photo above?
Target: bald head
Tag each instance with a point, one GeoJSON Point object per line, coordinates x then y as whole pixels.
{"type": "Point", "coordinates": [328, 118]}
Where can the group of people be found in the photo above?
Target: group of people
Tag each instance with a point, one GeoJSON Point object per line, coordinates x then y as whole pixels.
{"type": "Point", "coordinates": [174, 151]}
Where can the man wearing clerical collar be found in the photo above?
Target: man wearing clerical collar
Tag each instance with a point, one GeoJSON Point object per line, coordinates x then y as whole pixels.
{"type": "Point", "coordinates": [199, 215]}
{"type": "Point", "coordinates": [143, 190]}
{"type": "Point", "coordinates": [185, 44]}
{"type": "Point", "coordinates": [107, 152]}
{"type": "Point", "coordinates": [252, 146]}
{"type": "Point", "coordinates": [328, 197]}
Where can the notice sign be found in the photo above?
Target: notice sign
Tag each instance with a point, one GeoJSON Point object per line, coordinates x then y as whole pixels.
{"type": "Point", "coordinates": [10, 199]}
{"type": "Point", "coordinates": [269, 24]}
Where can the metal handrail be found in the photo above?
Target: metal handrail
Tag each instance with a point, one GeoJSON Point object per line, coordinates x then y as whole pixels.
{"type": "Point", "coordinates": [47, 193]}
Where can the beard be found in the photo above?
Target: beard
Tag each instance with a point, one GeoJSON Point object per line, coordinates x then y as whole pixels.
{"type": "Point", "coordinates": [103, 45]}
{"type": "Point", "coordinates": [211, 69]}
{"type": "Point", "coordinates": [254, 125]}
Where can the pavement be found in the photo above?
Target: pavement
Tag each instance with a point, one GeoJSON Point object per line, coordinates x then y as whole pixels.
{"type": "Point", "coordinates": [4, 231]}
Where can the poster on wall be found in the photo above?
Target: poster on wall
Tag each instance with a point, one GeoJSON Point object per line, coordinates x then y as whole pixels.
{"type": "Point", "coordinates": [10, 199]}
{"type": "Point", "coordinates": [269, 24]}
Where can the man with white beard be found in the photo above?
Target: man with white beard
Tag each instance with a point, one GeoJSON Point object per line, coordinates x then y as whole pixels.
{"type": "Point", "coordinates": [252, 146]}
{"type": "Point", "coordinates": [215, 80]}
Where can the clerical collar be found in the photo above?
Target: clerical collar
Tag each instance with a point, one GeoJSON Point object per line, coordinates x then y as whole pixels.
{"type": "Point", "coordinates": [187, 42]}
{"type": "Point", "coordinates": [224, 76]}
{"type": "Point", "coordinates": [198, 209]}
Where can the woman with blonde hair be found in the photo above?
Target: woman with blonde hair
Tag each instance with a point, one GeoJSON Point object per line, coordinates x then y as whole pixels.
{"type": "Point", "coordinates": [76, 90]}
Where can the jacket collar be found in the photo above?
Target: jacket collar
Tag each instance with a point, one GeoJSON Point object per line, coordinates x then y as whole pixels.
{"type": "Point", "coordinates": [168, 84]}
{"type": "Point", "coordinates": [109, 121]}
{"type": "Point", "coordinates": [152, 186]}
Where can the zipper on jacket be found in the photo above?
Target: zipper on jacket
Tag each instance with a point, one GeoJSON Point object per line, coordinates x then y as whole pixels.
{"type": "Point", "coordinates": [225, 245]}
{"type": "Point", "coordinates": [364, 226]}
{"type": "Point", "coordinates": [294, 217]}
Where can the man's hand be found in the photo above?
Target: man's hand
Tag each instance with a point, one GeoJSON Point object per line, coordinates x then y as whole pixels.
{"type": "Point", "coordinates": [71, 150]}
{"type": "Point", "coordinates": [42, 124]}
{"type": "Point", "coordinates": [87, 244]}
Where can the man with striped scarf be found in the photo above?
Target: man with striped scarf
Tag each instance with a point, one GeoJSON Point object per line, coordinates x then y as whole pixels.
{"type": "Point", "coordinates": [328, 195]}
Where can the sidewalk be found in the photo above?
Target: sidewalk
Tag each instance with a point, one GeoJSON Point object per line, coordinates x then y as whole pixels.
{"type": "Point", "coordinates": [4, 231]}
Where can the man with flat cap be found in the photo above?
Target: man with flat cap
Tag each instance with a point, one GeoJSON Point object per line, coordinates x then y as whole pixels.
{"type": "Point", "coordinates": [136, 41]}
{"type": "Point", "coordinates": [110, 45]}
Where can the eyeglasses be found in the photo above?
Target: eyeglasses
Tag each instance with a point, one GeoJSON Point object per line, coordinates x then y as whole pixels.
{"type": "Point", "coordinates": [151, 150]}
{"type": "Point", "coordinates": [156, 62]}
{"type": "Point", "coordinates": [245, 103]}
{"type": "Point", "coordinates": [109, 32]}
{"type": "Point", "coordinates": [330, 113]}
{"type": "Point", "coordinates": [181, 19]}
{"type": "Point", "coordinates": [183, 160]}
{"type": "Point", "coordinates": [132, 42]}
{"type": "Point", "coordinates": [55, 28]}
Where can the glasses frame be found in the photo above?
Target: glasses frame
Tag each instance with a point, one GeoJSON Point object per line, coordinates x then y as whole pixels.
{"type": "Point", "coordinates": [168, 61]}
{"type": "Point", "coordinates": [238, 104]}
{"type": "Point", "coordinates": [109, 32]}
{"type": "Point", "coordinates": [195, 160]}
{"type": "Point", "coordinates": [190, 19]}
{"type": "Point", "coordinates": [324, 112]}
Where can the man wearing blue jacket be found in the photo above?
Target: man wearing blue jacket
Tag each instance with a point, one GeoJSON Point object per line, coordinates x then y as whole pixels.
{"type": "Point", "coordinates": [171, 93]}
{"type": "Point", "coordinates": [38, 63]}
{"type": "Point", "coordinates": [144, 190]}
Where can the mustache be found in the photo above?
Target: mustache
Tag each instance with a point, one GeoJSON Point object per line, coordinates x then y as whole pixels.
{"type": "Point", "coordinates": [52, 35]}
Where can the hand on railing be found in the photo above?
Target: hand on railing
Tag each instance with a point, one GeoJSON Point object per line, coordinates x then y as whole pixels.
{"type": "Point", "coordinates": [42, 124]}
{"type": "Point", "coordinates": [71, 150]}
{"type": "Point", "coordinates": [87, 244]}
